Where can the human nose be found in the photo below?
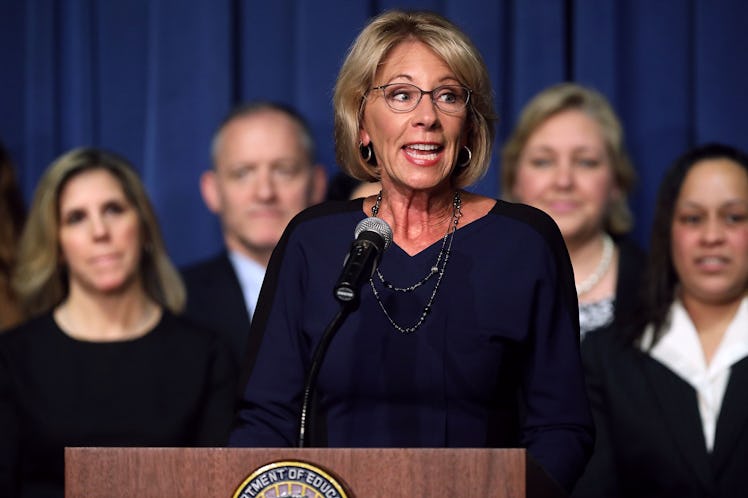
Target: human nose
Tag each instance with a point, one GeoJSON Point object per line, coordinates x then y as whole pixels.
{"type": "Point", "coordinates": [713, 232]}
{"type": "Point", "coordinates": [425, 112]}
{"type": "Point", "coordinates": [564, 174]}
{"type": "Point", "coordinates": [264, 186]}
{"type": "Point", "coordinates": [99, 227]}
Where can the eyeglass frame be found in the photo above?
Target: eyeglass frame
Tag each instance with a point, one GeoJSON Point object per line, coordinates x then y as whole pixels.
{"type": "Point", "coordinates": [420, 97]}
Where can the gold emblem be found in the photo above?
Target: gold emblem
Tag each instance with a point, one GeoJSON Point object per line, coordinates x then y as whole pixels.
{"type": "Point", "coordinates": [290, 479]}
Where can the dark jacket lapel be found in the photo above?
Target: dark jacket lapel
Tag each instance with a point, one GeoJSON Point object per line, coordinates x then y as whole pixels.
{"type": "Point", "coordinates": [227, 287]}
{"type": "Point", "coordinates": [733, 415]}
{"type": "Point", "coordinates": [216, 302]}
{"type": "Point", "coordinates": [677, 401]}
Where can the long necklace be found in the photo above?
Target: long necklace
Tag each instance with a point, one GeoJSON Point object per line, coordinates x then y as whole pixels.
{"type": "Point", "coordinates": [602, 267]}
{"type": "Point", "coordinates": [438, 268]}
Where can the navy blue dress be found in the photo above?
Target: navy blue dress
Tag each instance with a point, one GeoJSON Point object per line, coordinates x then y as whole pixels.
{"type": "Point", "coordinates": [495, 364]}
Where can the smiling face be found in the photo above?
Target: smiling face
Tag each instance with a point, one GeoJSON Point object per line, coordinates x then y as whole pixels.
{"type": "Point", "coordinates": [415, 150]}
{"type": "Point", "coordinates": [710, 232]}
{"type": "Point", "coordinates": [100, 233]}
{"type": "Point", "coordinates": [565, 170]}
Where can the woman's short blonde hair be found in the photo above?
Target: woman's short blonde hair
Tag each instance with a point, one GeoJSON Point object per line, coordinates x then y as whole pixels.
{"type": "Point", "coordinates": [367, 54]}
{"type": "Point", "coordinates": [41, 278]}
{"type": "Point", "coordinates": [571, 96]}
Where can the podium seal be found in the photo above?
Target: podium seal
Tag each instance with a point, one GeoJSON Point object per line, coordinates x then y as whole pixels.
{"type": "Point", "coordinates": [290, 479]}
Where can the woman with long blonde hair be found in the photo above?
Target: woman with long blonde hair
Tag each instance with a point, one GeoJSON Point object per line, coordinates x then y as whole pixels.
{"type": "Point", "coordinates": [105, 360]}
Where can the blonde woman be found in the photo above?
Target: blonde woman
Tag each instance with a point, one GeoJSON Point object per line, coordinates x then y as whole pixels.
{"type": "Point", "coordinates": [105, 361]}
{"type": "Point", "coordinates": [466, 335]}
{"type": "Point", "coordinates": [566, 156]}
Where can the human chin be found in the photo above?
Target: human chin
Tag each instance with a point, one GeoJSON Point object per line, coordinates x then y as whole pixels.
{"type": "Point", "coordinates": [570, 227]}
{"type": "Point", "coordinates": [429, 172]}
{"type": "Point", "coordinates": [266, 236]}
{"type": "Point", "coordinates": [111, 282]}
{"type": "Point", "coordinates": [420, 178]}
{"type": "Point", "coordinates": [712, 290]}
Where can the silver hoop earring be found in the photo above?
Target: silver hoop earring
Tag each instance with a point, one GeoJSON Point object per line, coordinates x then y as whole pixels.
{"type": "Point", "coordinates": [365, 151]}
{"type": "Point", "coordinates": [469, 157]}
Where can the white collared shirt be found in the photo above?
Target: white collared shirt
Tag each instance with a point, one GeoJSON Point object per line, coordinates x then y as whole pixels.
{"type": "Point", "coordinates": [250, 275]}
{"type": "Point", "coordinates": [680, 350]}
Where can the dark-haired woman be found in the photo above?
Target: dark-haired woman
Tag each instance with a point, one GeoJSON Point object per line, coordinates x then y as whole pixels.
{"type": "Point", "coordinates": [669, 395]}
{"type": "Point", "coordinates": [12, 216]}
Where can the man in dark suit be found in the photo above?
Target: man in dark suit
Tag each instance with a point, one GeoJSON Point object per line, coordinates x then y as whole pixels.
{"type": "Point", "coordinates": [263, 174]}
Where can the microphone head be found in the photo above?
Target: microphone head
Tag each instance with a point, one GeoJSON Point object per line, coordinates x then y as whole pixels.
{"type": "Point", "coordinates": [376, 225]}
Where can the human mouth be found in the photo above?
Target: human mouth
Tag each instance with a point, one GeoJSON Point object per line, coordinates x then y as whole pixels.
{"type": "Point", "coordinates": [261, 213]}
{"type": "Point", "coordinates": [562, 207]}
{"type": "Point", "coordinates": [712, 264]}
{"type": "Point", "coordinates": [422, 153]}
{"type": "Point", "coordinates": [105, 260]}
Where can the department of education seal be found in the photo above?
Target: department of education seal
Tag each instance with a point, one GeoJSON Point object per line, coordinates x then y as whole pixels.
{"type": "Point", "coordinates": [290, 479]}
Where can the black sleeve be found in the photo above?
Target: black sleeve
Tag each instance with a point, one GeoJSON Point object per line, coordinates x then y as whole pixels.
{"type": "Point", "coordinates": [220, 395]}
{"type": "Point", "coordinates": [599, 478]}
{"type": "Point", "coordinates": [9, 431]}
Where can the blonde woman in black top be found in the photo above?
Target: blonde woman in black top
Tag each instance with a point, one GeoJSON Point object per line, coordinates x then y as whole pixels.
{"type": "Point", "coordinates": [105, 361]}
{"type": "Point", "coordinates": [566, 156]}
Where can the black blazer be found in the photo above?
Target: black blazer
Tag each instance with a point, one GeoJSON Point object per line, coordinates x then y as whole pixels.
{"type": "Point", "coordinates": [215, 301]}
{"type": "Point", "coordinates": [650, 441]}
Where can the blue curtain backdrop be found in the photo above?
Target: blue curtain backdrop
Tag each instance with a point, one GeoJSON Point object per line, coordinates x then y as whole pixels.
{"type": "Point", "coordinates": [151, 79]}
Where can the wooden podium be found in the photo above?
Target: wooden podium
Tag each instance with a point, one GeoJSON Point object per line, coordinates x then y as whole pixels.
{"type": "Point", "coordinates": [363, 472]}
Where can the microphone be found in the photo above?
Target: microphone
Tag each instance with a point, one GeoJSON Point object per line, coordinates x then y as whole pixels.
{"type": "Point", "coordinates": [372, 236]}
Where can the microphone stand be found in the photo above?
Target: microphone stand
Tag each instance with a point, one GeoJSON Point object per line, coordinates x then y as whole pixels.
{"type": "Point", "coordinates": [311, 378]}
{"type": "Point", "coordinates": [372, 236]}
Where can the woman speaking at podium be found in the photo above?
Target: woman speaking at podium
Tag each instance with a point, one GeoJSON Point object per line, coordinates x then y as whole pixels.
{"type": "Point", "coordinates": [467, 333]}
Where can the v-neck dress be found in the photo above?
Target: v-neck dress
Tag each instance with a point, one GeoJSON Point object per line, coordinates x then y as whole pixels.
{"type": "Point", "coordinates": [495, 364]}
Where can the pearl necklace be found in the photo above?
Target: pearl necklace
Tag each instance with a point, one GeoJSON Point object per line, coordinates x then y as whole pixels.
{"type": "Point", "coordinates": [602, 267]}
{"type": "Point", "coordinates": [436, 269]}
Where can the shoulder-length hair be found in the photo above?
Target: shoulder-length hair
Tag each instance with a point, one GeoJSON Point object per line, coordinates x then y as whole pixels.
{"type": "Point", "coordinates": [12, 211]}
{"type": "Point", "coordinates": [366, 55]}
{"type": "Point", "coordinates": [41, 278]}
{"type": "Point", "coordinates": [12, 217]}
{"type": "Point", "coordinates": [571, 96]}
{"type": "Point", "coordinates": [661, 278]}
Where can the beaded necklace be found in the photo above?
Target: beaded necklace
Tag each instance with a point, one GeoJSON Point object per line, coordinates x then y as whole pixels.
{"type": "Point", "coordinates": [602, 267]}
{"type": "Point", "coordinates": [438, 268]}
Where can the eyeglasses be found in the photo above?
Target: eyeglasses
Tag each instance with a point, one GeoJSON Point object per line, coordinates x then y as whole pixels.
{"type": "Point", "coordinates": [404, 97]}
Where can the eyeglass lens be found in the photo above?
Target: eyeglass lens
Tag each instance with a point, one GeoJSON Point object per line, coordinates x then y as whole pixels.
{"type": "Point", "coordinates": [405, 97]}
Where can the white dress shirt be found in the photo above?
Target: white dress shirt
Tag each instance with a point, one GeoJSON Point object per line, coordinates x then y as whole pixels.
{"type": "Point", "coordinates": [250, 275]}
{"type": "Point", "coordinates": [680, 350]}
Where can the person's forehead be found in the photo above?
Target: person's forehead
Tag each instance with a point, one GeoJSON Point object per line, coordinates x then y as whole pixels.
{"type": "Point", "coordinates": [264, 120]}
{"type": "Point", "coordinates": [263, 136]}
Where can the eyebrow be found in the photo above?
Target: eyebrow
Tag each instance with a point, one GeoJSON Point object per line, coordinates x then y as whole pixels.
{"type": "Point", "coordinates": [730, 203]}
{"type": "Point", "coordinates": [735, 202]}
{"type": "Point", "coordinates": [575, 150]}
{"type": "Point", "coordinates": [410, 78]}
